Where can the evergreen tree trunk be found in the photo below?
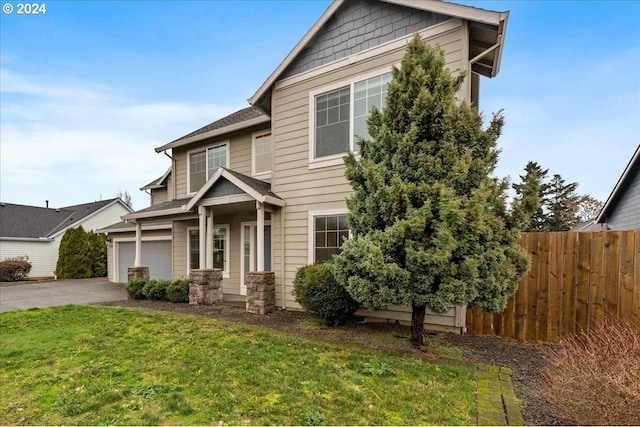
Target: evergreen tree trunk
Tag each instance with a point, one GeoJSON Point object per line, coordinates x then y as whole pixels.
{"type": "Point", "coordinates": [417, 325]}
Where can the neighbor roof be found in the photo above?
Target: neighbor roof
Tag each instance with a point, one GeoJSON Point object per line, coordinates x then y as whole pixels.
{"type": "Point", "coordinates": [241, 119]}
{"type": "Point", "coordinates": [487, 37]}
{"type": "Point", "coordinates": [621, 186]}
{"type": "Point", "coordinates": [34, 222]}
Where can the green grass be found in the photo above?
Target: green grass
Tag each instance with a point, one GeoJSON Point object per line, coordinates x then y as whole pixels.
{"type": "Point", "coordinates": [80, 365]}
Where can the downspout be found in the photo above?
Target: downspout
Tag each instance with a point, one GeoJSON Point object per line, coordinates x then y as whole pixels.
{"type": "Point", "coordinates": [173, 176]}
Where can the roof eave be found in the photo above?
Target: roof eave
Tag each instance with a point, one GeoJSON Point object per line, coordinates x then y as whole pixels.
{"type": "Point", "coordinates": [217, 132]}
{"type": "Point", "coordinates": [614, 194]}
{"type": "Point", "coordinates": [489, 17]}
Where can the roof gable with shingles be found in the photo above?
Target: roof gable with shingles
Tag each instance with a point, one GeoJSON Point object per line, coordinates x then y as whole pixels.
{"type": "Point", "coordinates": [247, 116]}
{"type": "Point", "coordinates": [34, 222]}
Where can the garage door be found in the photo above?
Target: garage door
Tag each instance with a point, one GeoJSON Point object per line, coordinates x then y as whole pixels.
{"type": "Point", "coordinates": [155, 255]}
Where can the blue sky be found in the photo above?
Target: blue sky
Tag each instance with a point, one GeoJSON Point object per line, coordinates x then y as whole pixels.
{"type": "Point", "coordinates": [90, 88]}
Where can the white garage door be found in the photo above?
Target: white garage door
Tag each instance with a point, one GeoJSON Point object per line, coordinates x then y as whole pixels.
{"type": "Point", "coordinates": [156, 255]}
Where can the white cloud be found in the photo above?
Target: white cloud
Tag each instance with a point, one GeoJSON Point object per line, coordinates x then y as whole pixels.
{"type": "Point", "coordinates": [72, 142]}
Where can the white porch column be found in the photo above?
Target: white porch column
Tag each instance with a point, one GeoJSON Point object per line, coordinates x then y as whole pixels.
{"type": "Point", "coordinates": [202, 233]}
{"type": "Point", "coordinates": [260, 248]}
{"type": "Point", "coordinates": [138, 259]}
{"type": "Point", "coordinates": [209, 259]}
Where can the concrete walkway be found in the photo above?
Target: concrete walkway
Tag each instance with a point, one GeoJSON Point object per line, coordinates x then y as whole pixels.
{"type": "Point", "coordinates": [60, 292]}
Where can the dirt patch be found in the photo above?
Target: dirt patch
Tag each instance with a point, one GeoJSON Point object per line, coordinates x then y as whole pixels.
{"type": "Point", "coordinates": [526, 360]}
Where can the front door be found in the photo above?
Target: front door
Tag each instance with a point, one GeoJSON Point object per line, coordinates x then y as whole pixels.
{"type": "Point", "coordinates": [248, 255]}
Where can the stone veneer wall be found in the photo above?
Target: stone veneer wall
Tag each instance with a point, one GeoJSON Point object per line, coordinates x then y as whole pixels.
{"type": "Point", "coordinates": [137, 273]}
{"type": "Point", "coordinates": [205, 286]}
{"type": "Point", "coordinates": [261, 292]}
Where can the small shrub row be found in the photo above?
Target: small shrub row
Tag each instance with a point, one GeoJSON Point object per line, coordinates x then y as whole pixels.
{"type": "Point", "coordinates": [158, 290]}
{"type": "Point", "coordinates": [14, 269]}
{"type": "Point", "coordinates": [316, 289]}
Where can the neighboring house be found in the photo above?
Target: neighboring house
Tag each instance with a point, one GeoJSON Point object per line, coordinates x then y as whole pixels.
{"type": "Point", "coordinates": [621, 211]}
{"type": "Point", "coordinates": [263, 189]}
{"type": "Point", "coordinates": [37, 231]}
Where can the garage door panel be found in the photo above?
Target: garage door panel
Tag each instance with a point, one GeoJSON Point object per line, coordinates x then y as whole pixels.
{"type": "Point", "coordinates": [156, 255]}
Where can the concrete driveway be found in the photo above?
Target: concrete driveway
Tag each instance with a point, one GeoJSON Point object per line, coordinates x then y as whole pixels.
{"type": "Point", "coordinates": [60, 292]}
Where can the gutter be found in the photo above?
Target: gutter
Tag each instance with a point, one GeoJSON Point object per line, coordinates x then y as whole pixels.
{"type": "Point", "coordinates": [27, 239]}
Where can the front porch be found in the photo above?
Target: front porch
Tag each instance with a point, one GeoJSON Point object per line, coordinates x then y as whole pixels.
{"type": "Point", "coordinates": [222, 240]}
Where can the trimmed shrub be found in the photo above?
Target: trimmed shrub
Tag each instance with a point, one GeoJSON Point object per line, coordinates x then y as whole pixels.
{"type": "Point", "coordinates": [14, 269]}
{"type": "Point", "coordinates": [316, 289]}
{"type": "Point", "coordinates": [594, 377]}
{"type": "Point", "coordinates": [155, 290]}
{"type": "Point", "coordinates": [158, 290]}
{"type": "Point", "coordinates": [81, 255]}
{"type": "Point", "coordinates": [135, 288]}
{"type": "Point", "coordinates": [178, 291]}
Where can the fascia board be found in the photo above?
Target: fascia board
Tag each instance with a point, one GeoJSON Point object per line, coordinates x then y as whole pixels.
{"type": "Point", "coordinates": [217, 132]}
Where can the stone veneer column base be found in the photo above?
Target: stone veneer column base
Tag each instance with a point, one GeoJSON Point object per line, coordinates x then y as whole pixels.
{"type": "Point", "coordinates": [261, 292]}
{"type": "Point", "coordinates": [205, 286]}
{"type": "Point", "coordinates": [137, 273]}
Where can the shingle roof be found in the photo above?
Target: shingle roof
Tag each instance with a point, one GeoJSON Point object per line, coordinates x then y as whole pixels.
{"type": "Point", "coordinates": [23, 221]}
{"type": "Point", "coordinates": [260, 186]}
{"type": "Point", "coordinates": [248, 115]}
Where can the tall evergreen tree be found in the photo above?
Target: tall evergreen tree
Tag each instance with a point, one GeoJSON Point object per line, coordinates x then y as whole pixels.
{"type": "Point", "coordinates": [430, 226]}
{"type": "Point", "coordinates": [74, 255]}
{"type": "Point", "coordinates": [562, 205]}
{"type": "Point", "coordinates": [533, 190]}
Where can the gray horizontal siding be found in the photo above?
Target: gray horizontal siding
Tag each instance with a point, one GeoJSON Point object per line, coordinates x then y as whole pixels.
{"type": "Point", "coordinates": [625, 213]}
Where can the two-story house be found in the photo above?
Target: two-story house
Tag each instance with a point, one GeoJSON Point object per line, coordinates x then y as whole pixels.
{"type": "Point", "coordinates": [263, 189]}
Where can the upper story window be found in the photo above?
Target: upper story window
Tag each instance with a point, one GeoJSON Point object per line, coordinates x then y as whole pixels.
{"type": "Point", "coordinates": [261, 153]}
{"type": "Point", "coordinates": [340, 116]}
{"type": "Point", "coordinates": [203, 163]}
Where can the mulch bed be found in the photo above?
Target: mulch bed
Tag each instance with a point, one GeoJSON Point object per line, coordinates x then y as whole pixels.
{"type": "Point", "coordinates": [526, 360]}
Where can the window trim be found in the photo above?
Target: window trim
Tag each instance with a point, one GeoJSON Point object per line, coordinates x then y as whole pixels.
{"type": "Point", "coordinates": [204, 149]}
{"type": "Point", "coordinates": [225, 272]}
{"type": "Point", "coordinates": [254, 137]}
{"type": "Point", "coordinates": [336, 159]}
{"type": "Point", "coordinates": [311, 228]}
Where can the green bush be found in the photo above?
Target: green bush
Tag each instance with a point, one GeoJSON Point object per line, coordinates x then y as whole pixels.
{"type": "Point", "coordinates": [135, 288]}
{"type": "Point", "coordinates": [82, 254]}
{"type": "Point", "coordinates": [158, 290]}
{"type": "Point", "coordinates": [316, 289]}
{"type": "Point", "coordinates": [178, 291]}
{"type": "Point", "coordinates": [155, 290]}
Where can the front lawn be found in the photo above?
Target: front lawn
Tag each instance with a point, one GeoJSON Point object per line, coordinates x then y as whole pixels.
{"type": "Point", "coordinates": [95, 365]}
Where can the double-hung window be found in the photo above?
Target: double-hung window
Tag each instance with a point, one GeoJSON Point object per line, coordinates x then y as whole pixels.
{"type": "Point", "coordinates": [203, 164]}
{"type": "Point", "coordinates": [340, 116]}
{"type": "Point", "coordinates": [261, 153]}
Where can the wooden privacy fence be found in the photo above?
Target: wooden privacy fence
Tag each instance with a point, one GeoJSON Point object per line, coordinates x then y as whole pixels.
{"type": "Point", "coordinates": [575, 280]}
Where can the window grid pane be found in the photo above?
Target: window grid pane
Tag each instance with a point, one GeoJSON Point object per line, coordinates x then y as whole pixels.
{"type": "Point", "coordinates": [330, 232]}
{"type": "Point", "coordinates": [194, 249]}
{"type": "Point", "coordinates": [197, 166]}
{"type": "Point", "coordinates": [332, 122]}
{"type": "Point", "coordinates": [368, 93]}
{"type": "Point", "coordinates": [216, 157]}
{"type": "Point", "coordinates": [219, 245]}
{"type": "Point", "coordinates": [263, 153]}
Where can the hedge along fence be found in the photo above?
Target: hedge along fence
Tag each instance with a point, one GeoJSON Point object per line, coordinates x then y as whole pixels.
{"type": "Point", "coordinates": [576, 280]}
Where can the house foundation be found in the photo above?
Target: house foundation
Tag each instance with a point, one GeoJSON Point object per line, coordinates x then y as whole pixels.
{"type": "Point", "coordinates": [205, 286]}
{"type": "Point", "coordinates": [261, 292]}
{"type": "Point", "coordinates": [137, 273]}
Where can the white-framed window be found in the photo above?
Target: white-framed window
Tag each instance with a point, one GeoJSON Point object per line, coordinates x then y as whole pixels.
{"type": "Point", "coordinates": [203, 162]}
{"type": "Point", "coordinates": [327, 232]}
{"type": "Point", "coordinates": [338, 116]}
{"type": "Point", "coordinates": [262, 149]}
{"type": "Point", "coordinates": [220, 248]}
